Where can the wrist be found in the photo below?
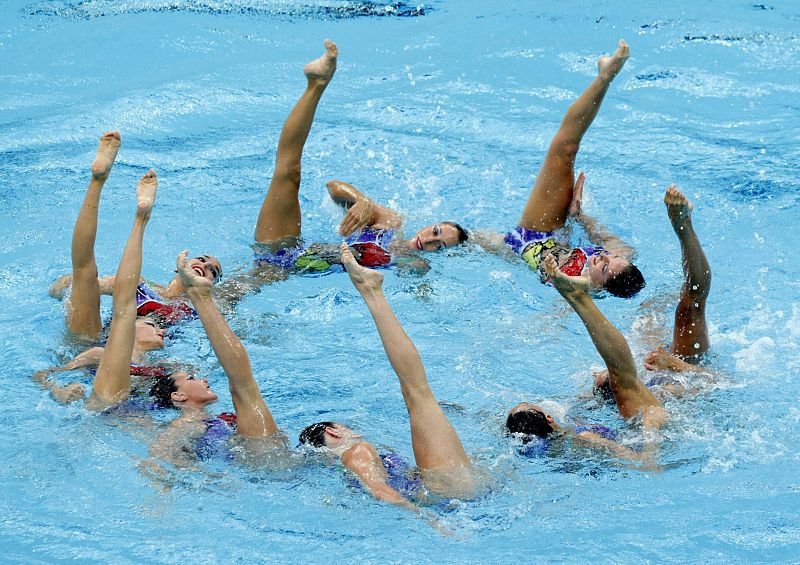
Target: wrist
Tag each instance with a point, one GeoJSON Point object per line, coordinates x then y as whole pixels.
{"type": "Point", "coordinates": [198, 292]}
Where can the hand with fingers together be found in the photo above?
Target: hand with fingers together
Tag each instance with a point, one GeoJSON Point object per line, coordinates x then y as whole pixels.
{"type": "Point", "coordinates": [189, 277]}
{"type": "Point", "coordinates": [360, 215]}
{"type": "Point", "coordinates": [577, 196]}
{"type": "Point", "coordinates": [565, 284]}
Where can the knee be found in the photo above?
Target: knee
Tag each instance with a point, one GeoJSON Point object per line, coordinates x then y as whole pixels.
{"type": "Point", "coordinates": [84, 275]}
{"type": "Point", "coordinates": [289, 172]}
{"type": "Point", "coordinates": [564, 147]}
{"type": "Point", "coordinates": [690, 307]}
{"type": "Point", "coordinates": [696, 292]}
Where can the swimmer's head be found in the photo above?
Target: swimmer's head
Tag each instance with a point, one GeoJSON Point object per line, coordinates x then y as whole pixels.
{"type": "Point", "coordinates": [602, 386]}
{"type": "Point", "coordinates": [149, 335]}
{"type": "Point", "coordinates": [530, 420]}
{"type": "Point", "coordinates": [438, 237]}
{"type": "Point", "coordinates": [181, 389]}
{"type": "Point", "coordinates": [328, 435]}
{"type": "Point", "coordinates": [207, 266]}
{"type": "Point", "coordinates": [615, 274]}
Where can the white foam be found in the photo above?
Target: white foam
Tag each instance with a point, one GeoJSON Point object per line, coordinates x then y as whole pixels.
{"type": "Point", "coordinates": [759, 354]}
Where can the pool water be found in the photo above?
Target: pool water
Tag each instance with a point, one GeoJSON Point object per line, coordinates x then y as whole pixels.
{"type": "Point", "coordinates": [442, 110]}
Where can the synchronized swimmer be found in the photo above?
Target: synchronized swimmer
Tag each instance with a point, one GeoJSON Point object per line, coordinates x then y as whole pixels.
{"type": "Point", "coordinates": [442, 469]}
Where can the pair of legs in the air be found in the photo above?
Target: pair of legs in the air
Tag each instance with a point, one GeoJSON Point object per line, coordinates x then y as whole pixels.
{"type": "Point", "coordinates": [445, 467]}
{"type": "Point", "coordinates": [83, 310]}
{"type": "Point", "coordinates": [112, 383]}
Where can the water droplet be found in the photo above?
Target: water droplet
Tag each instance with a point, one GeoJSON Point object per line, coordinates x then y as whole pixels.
{"type": "Point", "coordinates": [697, 346]}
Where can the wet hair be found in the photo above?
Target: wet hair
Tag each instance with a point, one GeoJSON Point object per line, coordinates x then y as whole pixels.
{"type": "Point", "coordinates": [463, 235]}
{"type": "Point", "coordinates": [528, 423]}
{"type": "Point", "coordinates": [161, 391]}
{"type": "Point", "coordinates": [314, 435]}
{"type": "Point", "coordinates": [627, 283]}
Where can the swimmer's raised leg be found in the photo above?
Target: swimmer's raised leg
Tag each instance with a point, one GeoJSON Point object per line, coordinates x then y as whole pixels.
{"type": "Point", "coordinates": [280, 212]}
{"type": "Point", "coordinates": [83, 312]}
{"type": "Point", "coordinates": [551, 196]}
{"type": "Point", "coordinates": [436, 444]}
{"type": "Point", "coordinates": [690, 333]}
{"type": "Point", "coordinates": [113, 381]}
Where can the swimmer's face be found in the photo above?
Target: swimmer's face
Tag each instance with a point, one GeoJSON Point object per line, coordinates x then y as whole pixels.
{"type": "Point", "coordinates": [207, 266]}
{"type": "Point", "coordinates": [434, 238]}
{"type": "Point", "coordinates": [192, 390]}
{"type": "Point", "coordinates": [605, 266]}
{"type": "Point", "coordinates": [148, 335]}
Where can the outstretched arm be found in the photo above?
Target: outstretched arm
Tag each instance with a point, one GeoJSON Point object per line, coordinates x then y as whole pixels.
{"type": "Point", "coordinates": [363, 460]}
{"type": "Point", "coordinates": [631, 395]}
{"type": "Point", "coordinates": [647, 458]}
{"type": "Point", "coordinates": [361, 210]}
{"type": "Point", "coordinates": [58, 289]}
{"type": "Point", "coordinates": [71, 391]}
{"type": "Point", "coordinates": [253, 418]}
{"type": "Point", "coordinates": [598, 233]}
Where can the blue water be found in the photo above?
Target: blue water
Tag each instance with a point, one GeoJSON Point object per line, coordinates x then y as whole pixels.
{"type": "Point", "coordinates": [443, 110]}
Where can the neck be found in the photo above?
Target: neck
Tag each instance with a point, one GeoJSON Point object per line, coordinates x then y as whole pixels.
{"type": "Point", "coordinates": [193, 411]}
{"type": "Point", "coordinates": [138, 354]}
{"type": "Point", "coordinates": [173, 289]}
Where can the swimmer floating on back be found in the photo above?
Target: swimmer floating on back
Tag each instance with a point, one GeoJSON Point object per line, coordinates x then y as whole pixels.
{"type": "Point", "coordinates": [607, 264]}
{"type": "Point", "coordinates": [632, 396]}
{"type": "Point", "coordinates": [165, 303]}
{"type": "Point", "coordinates": [278, 227]}
{"type": "Point", "coordinates": [444, 468]}
{"type": "Point", "coordinates": [690, 330]}
{"type": "Point", "coordinates": [195, 433]}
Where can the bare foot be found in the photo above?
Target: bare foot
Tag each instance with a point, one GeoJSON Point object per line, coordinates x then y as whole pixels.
{"type": "Point", "coordinates": [609, 67]}
{"type": "Point", "coordinates": [662, 360]}
{"type": "Point", "coordinates": [363, 279]}
{"type": "Point", "coordinates": [146, 193]}
{"type": "Point", "coordinates": [106, 154]}
{"type": "Point", "coordinates": [322, 69]}
{"type": "Point", "coordinates": [679, 209]}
